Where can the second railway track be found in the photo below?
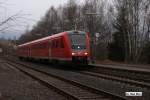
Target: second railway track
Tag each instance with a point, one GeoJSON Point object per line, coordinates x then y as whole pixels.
{"type": "Point", "coordinates": [131, 74]}
{"type": "Point", "coordinates": [119, 79]}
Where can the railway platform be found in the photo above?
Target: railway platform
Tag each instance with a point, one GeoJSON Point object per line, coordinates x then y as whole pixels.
{"type": "Point", "coordinates": [143, 68]}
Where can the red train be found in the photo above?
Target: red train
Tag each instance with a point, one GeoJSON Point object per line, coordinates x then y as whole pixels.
{"type": "Point", "coordinates": [69, 46]}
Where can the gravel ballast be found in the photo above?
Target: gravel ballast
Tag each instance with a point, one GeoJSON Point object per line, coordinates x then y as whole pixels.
{"type": "Point", "coordinates": [15, 85]}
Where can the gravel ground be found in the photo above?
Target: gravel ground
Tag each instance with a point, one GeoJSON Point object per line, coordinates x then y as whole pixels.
{"type": "Point", "coordinates": [99, 83]}
{"type": "Point", "coordinates": [15, 85]}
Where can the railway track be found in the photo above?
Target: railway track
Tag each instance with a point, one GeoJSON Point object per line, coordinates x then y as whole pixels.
{"type": "Point", "coordinates": [119, 79]}
{"type": "Point", "coordinates": [69, 88]}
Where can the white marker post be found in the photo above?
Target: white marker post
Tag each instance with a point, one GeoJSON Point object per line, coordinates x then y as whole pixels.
{"type": "Point", "coordinates": [97, 35]}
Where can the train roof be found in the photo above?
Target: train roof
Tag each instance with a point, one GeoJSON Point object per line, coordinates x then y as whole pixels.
{"type": "Point", "coordinates": [48, 37]}
{"type": "Point", "coordinates": [45, 38]}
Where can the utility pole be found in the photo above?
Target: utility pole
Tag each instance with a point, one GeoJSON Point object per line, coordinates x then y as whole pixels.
{"type": "Point", "coordinates": [92, 36]}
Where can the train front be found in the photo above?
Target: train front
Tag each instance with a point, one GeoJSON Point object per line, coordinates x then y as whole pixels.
{"type": "Point", "coordinates": [80, 47]}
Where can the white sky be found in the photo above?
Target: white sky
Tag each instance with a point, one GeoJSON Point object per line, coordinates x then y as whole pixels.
{"type": "Point", "coordinates": [36, 9]}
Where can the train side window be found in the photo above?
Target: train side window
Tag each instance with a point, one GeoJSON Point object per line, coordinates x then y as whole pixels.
{"type": "Point", "coordinates": [59, 43]}
{"type": "Point", "coordinates": [50, 44]}
{"type": "Point", "coordinates": [53, 44]}
{"type": "Point", "coordinates": [44, 45]}
{"type": "Point", "coordinates": [62, 43]}
{"type": "Point", "coordinates": [56, 43]}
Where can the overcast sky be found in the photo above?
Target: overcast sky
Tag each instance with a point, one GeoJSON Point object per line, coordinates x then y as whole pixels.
{"type": "Point", "coordinates": [36, 9]}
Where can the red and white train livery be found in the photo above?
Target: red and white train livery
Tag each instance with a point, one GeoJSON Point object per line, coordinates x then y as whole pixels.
{"type": "Point", "coordinates": [69, 46]}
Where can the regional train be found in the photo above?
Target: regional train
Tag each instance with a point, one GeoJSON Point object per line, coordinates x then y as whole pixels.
{"type": "Point", "coordinates": [70, 46]}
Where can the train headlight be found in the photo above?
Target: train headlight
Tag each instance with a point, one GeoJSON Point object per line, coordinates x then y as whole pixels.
{"type": "Point", "coordinates": [86, 53]}
{"type": "Point", "coordinates": [73, 53]}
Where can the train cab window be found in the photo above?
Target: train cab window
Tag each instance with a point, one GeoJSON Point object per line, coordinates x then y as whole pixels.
{"type": "Point", "coordinates": [78, 41]}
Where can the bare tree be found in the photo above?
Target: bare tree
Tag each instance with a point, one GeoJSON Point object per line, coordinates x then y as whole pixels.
{"type": "Point", "coordinates": [132, 16]}
{"type": "Point", "coordinates": [12, 22]}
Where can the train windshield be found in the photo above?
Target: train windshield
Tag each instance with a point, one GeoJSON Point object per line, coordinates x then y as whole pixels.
{"type": "Point", "coordinates": [78, 41]}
